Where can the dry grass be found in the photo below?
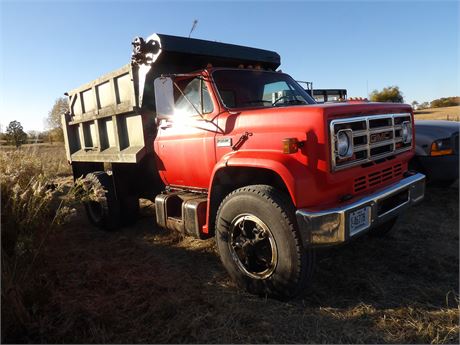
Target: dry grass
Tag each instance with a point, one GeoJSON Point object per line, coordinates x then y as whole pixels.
{"type": "Point", "coordinates": [146, 285]}
{"type": "Point", "coordinates": [52, 157]}
{"type": "Point", "coordinates": [33, 206]}
{"type": "Point", "coordinates": [446, 113]}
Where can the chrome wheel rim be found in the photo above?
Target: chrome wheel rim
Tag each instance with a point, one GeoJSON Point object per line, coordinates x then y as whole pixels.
{"type": "Point", "coordinates": [252, 246]}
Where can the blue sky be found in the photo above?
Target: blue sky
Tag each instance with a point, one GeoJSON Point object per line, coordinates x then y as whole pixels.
{"type": "Point", "coordinates": [50, 47]}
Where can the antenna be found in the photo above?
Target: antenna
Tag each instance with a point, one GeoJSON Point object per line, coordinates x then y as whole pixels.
{"type": "Point", "coordinates": [195, 23]}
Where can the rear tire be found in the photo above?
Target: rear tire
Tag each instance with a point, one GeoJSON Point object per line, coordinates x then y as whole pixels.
{"type": "Point", "coordinates": [105, 215]}
{"type": "Point", "coordinates": [259, 244]}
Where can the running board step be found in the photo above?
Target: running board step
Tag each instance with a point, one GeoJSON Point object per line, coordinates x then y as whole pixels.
{"type": "Point", "coordinates": [182, 211]}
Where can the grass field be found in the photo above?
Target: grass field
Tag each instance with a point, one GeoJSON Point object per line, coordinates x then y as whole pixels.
{"type": "Point", "coordinates": [447, 113]}
{"type": "Point", "coordinates": [51, 155]}
{"type": "Point", "coordinates": [147, 285]}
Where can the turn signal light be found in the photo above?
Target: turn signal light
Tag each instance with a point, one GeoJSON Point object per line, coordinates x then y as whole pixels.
{"type": "Point", "coordinates": [290, 145]}
{"type": "Point", "coordinates": [437, 150]}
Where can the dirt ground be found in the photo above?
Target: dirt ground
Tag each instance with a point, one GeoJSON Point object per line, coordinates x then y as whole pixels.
{"type": "Point", "coordinates": [147, 285]}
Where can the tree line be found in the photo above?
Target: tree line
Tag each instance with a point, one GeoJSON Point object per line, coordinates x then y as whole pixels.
{"type": "Point", "coordinates": [394, 94]}
{"type": "Point", "coordinates": [15, 134]}
{"type": "Point", "coordinates": [437, 103]}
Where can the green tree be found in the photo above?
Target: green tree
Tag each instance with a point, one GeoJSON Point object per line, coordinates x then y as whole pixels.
{"type": "Point", "coordinates": [445, 102]}
{"type": "Point", "coordinates": [415, 104]}
{"type": "Point", "coordinates": [54, 118]}
{"type": "Point", "coordinates": [2, 135]}
{"type": "Point", "coordinates": [15, 133]}
{"type": "Point", "coordinates": [388, 94]}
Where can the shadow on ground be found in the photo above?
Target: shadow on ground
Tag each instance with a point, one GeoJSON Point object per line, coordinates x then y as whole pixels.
{"type": "Point", "coordinates": [146, 285]}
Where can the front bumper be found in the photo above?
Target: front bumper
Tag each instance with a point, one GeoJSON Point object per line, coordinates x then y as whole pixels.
{"type": "Point", "coordinates": [332, 226]}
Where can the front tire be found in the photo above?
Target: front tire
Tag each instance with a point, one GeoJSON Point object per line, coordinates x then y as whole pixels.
{"type": "Point", "coordinates": [259, 244]}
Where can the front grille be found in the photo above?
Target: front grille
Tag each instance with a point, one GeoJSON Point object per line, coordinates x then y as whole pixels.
{"type": "Point", "coordinates": [377, 178]}
{"type": "Point", "coordinates": [374, 137]}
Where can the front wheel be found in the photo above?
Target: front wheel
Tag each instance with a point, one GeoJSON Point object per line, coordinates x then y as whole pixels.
{"type": "Point", "coordinates": [259, 244]}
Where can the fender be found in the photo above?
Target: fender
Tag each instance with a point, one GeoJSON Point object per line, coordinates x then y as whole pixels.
{"type": "Point", "coordinates": [288, 167]}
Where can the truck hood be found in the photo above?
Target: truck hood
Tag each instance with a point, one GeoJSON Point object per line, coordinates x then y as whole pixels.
{"type": "Point", "coordinates": [338, 110]}
{"type": "Point", "coordinates": [304, 122]}
{"type": "Point", "coordinates": [313, 116]}
{"type": "Point", "coordinates": [334, 110]}
{"type": "Point", "coordinates": [436, 129]}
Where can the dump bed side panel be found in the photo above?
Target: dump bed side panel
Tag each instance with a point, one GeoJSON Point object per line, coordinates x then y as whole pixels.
{"type": "Point", "coordinates": [105, 123]}
{"type": "Point", "coordinates": [113, 93]}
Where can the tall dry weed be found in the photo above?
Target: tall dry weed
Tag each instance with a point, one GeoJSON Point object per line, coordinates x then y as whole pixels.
{"type": "Point", "coordinates": [33, 206]}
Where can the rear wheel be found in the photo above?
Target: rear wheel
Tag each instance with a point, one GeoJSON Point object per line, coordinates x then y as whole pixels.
{"type": "Point", "coordinates": [105, 214]}
{"type": "Point", "coordinates": [95, 211]}
{"type": "Point", "coordinates": [258, 242]}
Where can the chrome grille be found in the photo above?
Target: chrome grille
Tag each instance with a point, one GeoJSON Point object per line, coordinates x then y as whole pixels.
{"type": "Point", "coordinates": [374, 137]}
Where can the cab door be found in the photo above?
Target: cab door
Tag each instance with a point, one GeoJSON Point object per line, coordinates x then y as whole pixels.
{"type": "Point", "coordinates": [184, 145]}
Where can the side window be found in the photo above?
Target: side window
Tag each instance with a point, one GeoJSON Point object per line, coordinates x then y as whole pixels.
{"type": "Point", "coordinates": [207, 103]}
{"type": "Point", "coordinates": [193, 97]}
{"type": "Point", "coordinates": [188, 98]}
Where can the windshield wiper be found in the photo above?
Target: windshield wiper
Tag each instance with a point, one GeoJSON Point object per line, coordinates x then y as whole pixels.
{"type": "Point", "coordinates": [257, 101]}
{"type": "Point", "coordinates": [290, 102]}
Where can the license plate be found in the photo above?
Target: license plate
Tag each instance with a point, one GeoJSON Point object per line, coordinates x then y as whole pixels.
{"type": "Point", "coordinates": [359, 220]}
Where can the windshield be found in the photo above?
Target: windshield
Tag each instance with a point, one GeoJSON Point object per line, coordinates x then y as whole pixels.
{"type": "Point", "coordinates": [256, 88]}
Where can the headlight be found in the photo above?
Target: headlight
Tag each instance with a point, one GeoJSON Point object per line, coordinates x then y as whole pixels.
{"type": "Point", "coordinates": [441, 147]}
{"type": "Point", "coordinates": [344, 139]}
{"type": "Point", "coordinates": [406, 132]}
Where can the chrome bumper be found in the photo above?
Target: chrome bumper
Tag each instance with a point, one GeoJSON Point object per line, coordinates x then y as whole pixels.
{"type": "Point", "coordinates": [332, 226]}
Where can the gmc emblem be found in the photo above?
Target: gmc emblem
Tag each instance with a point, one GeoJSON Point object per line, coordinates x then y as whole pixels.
{"type": "Point", "coordinates": [377, 137]}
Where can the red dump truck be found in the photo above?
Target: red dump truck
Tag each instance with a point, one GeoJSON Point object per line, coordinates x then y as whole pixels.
{"type": "Point", "coordinates": [226, 146]}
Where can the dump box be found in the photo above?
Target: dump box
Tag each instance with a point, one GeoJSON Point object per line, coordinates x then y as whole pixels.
{"type": "Point", "coordinates": [104, 123]}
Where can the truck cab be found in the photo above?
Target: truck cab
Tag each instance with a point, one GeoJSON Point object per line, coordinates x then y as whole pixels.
{"type": "Point", "coordinates": [227, 146]}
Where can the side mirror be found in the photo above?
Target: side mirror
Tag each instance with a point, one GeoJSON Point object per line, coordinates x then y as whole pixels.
{"type": "Point", "coordinates": [164, 97]}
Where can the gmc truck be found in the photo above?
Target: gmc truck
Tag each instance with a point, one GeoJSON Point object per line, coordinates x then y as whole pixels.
{"type": "Point", "coordinates": [226, 146]}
